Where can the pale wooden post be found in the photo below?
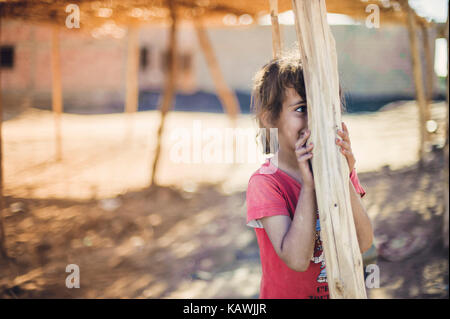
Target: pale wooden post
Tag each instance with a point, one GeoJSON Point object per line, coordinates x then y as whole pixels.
{"type": "Point", "coordinates": [227, 98]}
{"type": "Point", "coordinates": [343, 258]}
{"type": "Point", "coordinates": [132, 79]}
{"type": "Point", "coordinates": [2, 202]}
{"type": "Point", "coordinates": [418, 79]}
{"type": "Point", "coordinates": [169, 87]}
{"type": "Point", "coordinates": [57, 102]}
{"type": "Point", "coordinates": [276, 34]}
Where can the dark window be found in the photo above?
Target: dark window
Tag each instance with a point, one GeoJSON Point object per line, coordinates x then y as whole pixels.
{"type": "Point", "coordinates": [144, 58]}
{"type": "Point", "coordinates": [7, 57]}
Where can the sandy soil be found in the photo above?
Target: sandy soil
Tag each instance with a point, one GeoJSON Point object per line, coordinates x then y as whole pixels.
{"type": "Point", "coordinates": [187, 238]}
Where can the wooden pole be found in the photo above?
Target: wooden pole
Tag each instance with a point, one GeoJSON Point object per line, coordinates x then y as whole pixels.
{"type": "Point", "coordinates": [132, 78]}
{"type": "Point", "coordinates": [343, 258]}
{"type": "Point", "coordinates": [169, 87]}
{"type": "Point", "coordinates": [445, 226]}
{"type": "Point", "coordinates": [418, 79]}
{"type": "Point", "coordinates": [227, 98]}
{"type": "Point", "coordinates": [2, 200]}
{"type": "Point", "coordinates": [57, 102]}
{"type": "Point", "coordinates": [276, 34]}
{"type": "Point", "coordinates": [429, 70]}
{"type": "Point", "coordinates": [429, 58]}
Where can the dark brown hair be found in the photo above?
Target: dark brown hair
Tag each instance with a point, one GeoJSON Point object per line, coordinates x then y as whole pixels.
{"type": "Point", "coordinates": [269, 89]}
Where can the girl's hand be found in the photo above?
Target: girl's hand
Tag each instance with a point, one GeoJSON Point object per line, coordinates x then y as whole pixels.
{"type": "Point", "coordinates": [346, 147]}
{"type": "Point", "coordinates": [304, 154]}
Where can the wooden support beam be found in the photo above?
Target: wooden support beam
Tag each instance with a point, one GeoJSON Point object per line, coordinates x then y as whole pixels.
{"type": "Point", "coordinates": [343, 258]}
{"type": "Point", "coordinates": [429, 77]}
{"type": "Point", "coordinates": [276, 34]}
{"type": "Point", "coordinates": [418, 79]}
{"type": "Point", "coordinates": [227, 97]}
{"type": "Point", "coordinates": [3, 252]}
{"type": "Point", "coordinates": [132, 79]}
{"type": "Point", "coordinates": [429, 59]}
{"type": "Point", "coordinates": [169, 87]}
{"type": "Point", "coordinates": [445, 224]}
{"type": "Point", "coordinates": [57, 102]}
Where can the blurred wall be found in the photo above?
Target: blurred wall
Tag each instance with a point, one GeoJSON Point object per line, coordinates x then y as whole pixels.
{"type": "Point", "coordinates": [373, 63]}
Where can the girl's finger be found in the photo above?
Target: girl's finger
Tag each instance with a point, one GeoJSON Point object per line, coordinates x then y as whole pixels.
{"type": "Point", "coordinates": [303, 150]}
{"type": "Point", "coordinates": [301, 143]}
{"type": "Point", "coordinates": [344, 144]}
{"type": "Point", "coordinates": [344, 137]}
{"type": "Point", "coordinates": [305, 157]}
{"type": "Point", "coordinates": [344, 133]}
{"type": "Point", "coordinates": [302, 140]}
{"type": "Point", "coordinates": [344, 127]}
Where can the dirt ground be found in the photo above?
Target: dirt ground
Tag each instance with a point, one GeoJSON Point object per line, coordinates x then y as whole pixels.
{"type": "Point", "coordinates": [187, 238]}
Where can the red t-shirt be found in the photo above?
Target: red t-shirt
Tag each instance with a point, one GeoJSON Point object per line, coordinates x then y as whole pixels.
{"type": "Point", "coordinates": [270, 192]}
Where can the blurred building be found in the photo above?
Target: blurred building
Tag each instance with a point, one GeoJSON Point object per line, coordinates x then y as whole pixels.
{"type": "Point", "coordinates": [374, 64]}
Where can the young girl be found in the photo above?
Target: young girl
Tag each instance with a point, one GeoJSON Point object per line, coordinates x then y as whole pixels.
{"type": "Point", "coordinates": [281, 200]}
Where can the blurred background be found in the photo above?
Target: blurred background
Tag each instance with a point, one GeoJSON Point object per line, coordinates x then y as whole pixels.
{"type": "Point", "coordinates": [84, 121]}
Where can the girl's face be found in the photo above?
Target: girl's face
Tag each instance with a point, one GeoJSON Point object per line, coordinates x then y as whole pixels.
{"type": "Point", "coordinates": [292, 121]}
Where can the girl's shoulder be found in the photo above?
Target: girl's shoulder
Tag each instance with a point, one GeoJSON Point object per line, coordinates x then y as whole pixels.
{"type": "Point", "coordinates": [267, 168]}
{"type": "Point", "coordinates": [267, 174]}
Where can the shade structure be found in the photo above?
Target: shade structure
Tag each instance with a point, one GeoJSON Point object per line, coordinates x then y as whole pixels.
{"type": "Point", "coordinates": [213, 12]}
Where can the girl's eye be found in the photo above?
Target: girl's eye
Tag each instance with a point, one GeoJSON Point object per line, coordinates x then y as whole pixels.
{"type": "Point", "coordinates": [301, 109]}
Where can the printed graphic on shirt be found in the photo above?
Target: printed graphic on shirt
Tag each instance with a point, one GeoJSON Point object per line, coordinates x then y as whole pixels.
{"type": "Point", "coordinates": [318, 256]}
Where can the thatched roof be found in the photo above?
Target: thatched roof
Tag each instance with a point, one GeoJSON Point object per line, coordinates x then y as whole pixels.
{"type": "Point", "coordinates": [213, 12]}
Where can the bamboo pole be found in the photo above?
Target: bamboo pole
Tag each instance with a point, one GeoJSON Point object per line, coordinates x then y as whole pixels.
{"type": "Point", "coordinates": [227, 98]}
{"type": "Point", "coordinates": [331, 174]}
{"type": "Point", "coordinates": [57, 102]}
{"type": "Point", "coordinates": [276, 34]}
{"type": "Point", "coordinates": [3, 252]}
{"type": "Point", "coordinates": [418, 79]}
{"type": "Point", "coordinates": [132, 79]}
{"type": "Point", "coordinates": [169, 87]}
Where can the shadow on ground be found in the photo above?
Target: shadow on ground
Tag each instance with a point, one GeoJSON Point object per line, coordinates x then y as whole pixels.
{"type": "Point", "coordinates": [168, 243]}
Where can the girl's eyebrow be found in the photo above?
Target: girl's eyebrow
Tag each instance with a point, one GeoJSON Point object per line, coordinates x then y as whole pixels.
{"type": "Point", "coordinates": [297, 103]}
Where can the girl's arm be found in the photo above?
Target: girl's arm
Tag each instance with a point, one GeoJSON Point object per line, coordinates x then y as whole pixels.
{"type": "Point", "coordinates": [293, 240]}
{"type": "Point", "coordinates": [363, 226]}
